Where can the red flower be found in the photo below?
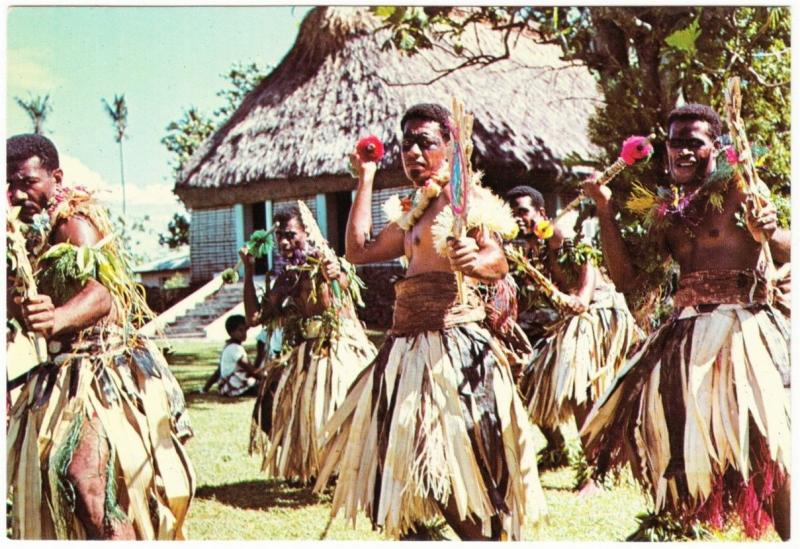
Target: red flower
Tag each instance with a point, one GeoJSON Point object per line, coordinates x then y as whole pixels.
{"type": "Point", "coordinates": [405, 203]}
{"type": "Point", "coordinates": [370, 149]}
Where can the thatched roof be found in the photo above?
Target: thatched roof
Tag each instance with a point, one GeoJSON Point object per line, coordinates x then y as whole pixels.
{"type": "Point", "coordinates": [337, 84]}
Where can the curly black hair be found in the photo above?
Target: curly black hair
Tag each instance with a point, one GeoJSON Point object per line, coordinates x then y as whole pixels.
{"type": "Point", "coordinates": [696, 111]}
{"type": "Point", "coordinates": [233, 322]}
{"type": "Point", "coordinates": [20, 148]}
{"type": "Point", "coordinates": [429, 111]}
{"type": "Point", "coordinates": [284, 214]}
{"type": "Point", "coordinates": [524, 190]}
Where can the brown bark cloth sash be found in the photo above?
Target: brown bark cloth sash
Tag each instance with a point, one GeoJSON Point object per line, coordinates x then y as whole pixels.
{"type": "Point", "coordinates": [429, 302]}
{"type": "Point", "coordinates": [722, 286]}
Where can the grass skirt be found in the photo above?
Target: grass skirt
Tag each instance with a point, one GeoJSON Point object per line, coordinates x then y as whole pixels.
{"type": "Point", "coordinates": [578, 359]}
{"type": "Point", "coordinates": [289, 416]}
{"type": "Point", "coordinates": [152, 482]}
{"type": "Point", "coordinates": [701, 414]}
{"type": "Point", "coordinates": [436, 416]}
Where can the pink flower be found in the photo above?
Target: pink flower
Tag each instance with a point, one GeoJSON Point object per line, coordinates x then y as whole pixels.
{"type": "Point", "coordinates": [662, 209]}
{"type": "Point", "coordinates": [635, 148]}
{"type": "Point", "coordinates": [731, 156]}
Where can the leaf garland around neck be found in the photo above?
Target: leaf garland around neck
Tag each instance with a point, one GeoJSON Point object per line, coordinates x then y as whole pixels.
{"type": "Point", "coordinates": [661, 208]}
{"type": "Point", "coordinates": [487, 211]}
{"type": "Point", "coordinates": [407, 210]}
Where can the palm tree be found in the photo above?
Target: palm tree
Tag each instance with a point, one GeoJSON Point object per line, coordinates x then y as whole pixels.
{"type": "Point", "coordinates": [37, 107]}
{"type": "Point", "coordinates": [119, 118]}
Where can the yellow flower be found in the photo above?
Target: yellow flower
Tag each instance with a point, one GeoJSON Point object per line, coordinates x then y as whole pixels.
{"type": "Point", "coordinates": [676, 196]}
{"type": "Point", "coordinates": [543, 229]}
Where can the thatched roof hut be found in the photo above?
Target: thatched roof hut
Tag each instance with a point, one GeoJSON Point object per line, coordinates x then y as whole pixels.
{"type": "Point", "coordinates": [291, 136]}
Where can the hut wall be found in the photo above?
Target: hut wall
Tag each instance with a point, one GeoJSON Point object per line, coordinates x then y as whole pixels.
{"type": "Point", "coordinates": [212, 241]}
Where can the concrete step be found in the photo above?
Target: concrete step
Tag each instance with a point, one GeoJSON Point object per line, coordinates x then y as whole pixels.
{"type": "Point", "coordinates": [192, 324]}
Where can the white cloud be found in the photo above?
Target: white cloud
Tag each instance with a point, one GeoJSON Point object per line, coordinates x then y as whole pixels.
{"type": "Point", "coordinates": [27, 73]}
{"type": "Point", "coordinates": [156, 196]}
{"type": "Point", "coordinates": [154, 201]}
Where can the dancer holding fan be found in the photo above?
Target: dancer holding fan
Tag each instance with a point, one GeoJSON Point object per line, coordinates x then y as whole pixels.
{"type": "Point", "coordinates": [324, 344]}
{"type": "Point", "coordinates": [434, 425]}
{"type": "Point", "coordinates": [700, 411]}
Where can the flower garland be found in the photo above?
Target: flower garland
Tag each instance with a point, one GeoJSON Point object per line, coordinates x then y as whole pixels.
{"type": "Point", "coordinates": [661, 208]}
{"type": "Point", "coordinates": [407, 210]}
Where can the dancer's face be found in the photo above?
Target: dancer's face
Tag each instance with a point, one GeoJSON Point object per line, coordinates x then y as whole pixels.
{"type": "Point", "coordinates": [691, 151]}
{"type": "Point", "coordinates": [290, 236]}
{"type": "Point", "coordinates": [424, 149]}
{"type": "Point", "coordinates": [31, 185]}
{"type": "Point", "coordinates": [526, 214]}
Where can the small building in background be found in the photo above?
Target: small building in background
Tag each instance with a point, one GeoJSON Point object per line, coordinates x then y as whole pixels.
{"type": "Point", "coordinates": [169, 270]}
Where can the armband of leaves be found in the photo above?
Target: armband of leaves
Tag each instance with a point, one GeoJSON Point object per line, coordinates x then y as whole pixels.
{"type": "Point", "coordinates": [580, 254]}
{"type": "Point", "coordinates": [65, 268]}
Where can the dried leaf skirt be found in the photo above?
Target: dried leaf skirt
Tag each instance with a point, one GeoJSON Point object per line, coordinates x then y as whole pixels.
{"type": "Point", "coordinates": [701, 414]}
{"type": "Point", "coordinates": [578, 359]}
{"type": "Point", "coordinates": [436, 416]}
{"type": "Point", "coordinates": [132, 394]}
{"type": "Point", "coordinates": [288, 418]}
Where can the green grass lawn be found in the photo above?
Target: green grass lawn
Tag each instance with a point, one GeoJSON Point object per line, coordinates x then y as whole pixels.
{"type": "Point", "coordinates": [235, 500]}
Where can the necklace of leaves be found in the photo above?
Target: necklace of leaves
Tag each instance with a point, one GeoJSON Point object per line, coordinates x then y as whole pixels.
{"type": "Point", "coordinates": [666, 205]}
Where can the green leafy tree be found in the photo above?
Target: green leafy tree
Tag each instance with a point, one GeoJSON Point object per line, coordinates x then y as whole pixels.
{"type": "Point", "coordinates": [37, 107]}
{"type": "Point", "coordinates": [177, 232]}
{"type": "Point", "coordinates": [187, 134]}
{"type": "Point", "coordinates": [117, 110]}
{"type": "Point", "coordinates": [130, 232]}
{"type": "Point", "coordinates": [184, 137]}
{"type": "Point", "coordinates": [242, 78]}
{"type": "Point", "coordinates": [646, 60]}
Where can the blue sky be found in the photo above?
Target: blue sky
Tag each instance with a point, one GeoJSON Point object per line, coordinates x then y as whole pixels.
{"type": "Point", "coordinates": [164, 59]}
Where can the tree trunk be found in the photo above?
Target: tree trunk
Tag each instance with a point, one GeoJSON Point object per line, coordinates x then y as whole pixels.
{"type": "Point", "coordinates": [122, 178]}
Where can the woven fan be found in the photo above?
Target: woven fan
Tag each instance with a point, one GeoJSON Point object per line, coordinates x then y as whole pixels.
{"type": "Point", "coordinates": [315, 237]}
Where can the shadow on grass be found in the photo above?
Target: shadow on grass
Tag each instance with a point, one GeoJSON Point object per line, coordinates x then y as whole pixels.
{"type": "Point", "coordinates": [259, 495]}
{"type": "Point", "coordinates": [205, 401]}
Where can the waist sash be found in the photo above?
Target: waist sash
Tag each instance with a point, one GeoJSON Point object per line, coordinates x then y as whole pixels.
{"type": "Point", "coordinates": [429, 302]}
{"type": "Point", "coordinates": [718, 287]}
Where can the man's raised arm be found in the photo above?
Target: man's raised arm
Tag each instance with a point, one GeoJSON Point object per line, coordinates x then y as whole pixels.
{"type": "Point", "coordinates": [618, 260]}
{"type": "Point", "coordinates": [359, 249]}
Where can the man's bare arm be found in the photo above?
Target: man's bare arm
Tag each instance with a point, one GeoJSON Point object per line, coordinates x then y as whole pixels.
{"type": "Point", "coordinates": [781, 246]}
{"type": "Point", "coordinates": [587, 284]}
{"type": "Point", "coordinates": [479, 256]}
{"type": "Point", "coordinates": [617, 258]}
{"type": "Point", "coordinates": [84, 309]}
{"type": "Point", "coordinates": [359, 249]}
{"type": "Point", "coordinates": [763, 225]}
{"type": "Point", "coordinates": [252, 311]}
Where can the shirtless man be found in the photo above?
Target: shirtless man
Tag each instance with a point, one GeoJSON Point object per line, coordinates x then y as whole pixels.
{"type": "Point", "coordinates": [329, 348]}
{"type": "Point", "coordinates": [434, 425]}
{"type": "Point", "coordinates": [698, 446]}
{"type": "Point", "coordinates": [578, 352]}
{"type": "Point", "coordinates": [101, 387]}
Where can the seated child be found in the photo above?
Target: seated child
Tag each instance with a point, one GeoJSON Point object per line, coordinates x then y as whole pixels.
{"type": "Point", "coordinates": [236, 375]}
